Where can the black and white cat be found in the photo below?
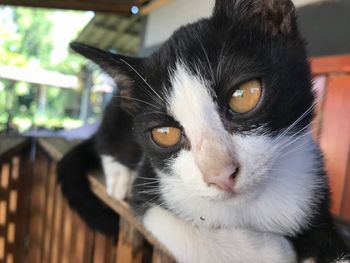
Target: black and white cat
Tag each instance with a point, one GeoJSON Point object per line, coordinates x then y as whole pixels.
{"type": "Point", "coordinates": [213, 133]}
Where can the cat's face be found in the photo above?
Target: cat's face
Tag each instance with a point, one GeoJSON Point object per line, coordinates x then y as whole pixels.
{"type": "Point", "coordinates": [221, 90]}
{"type": "Point", "coordinates": [216, 109]}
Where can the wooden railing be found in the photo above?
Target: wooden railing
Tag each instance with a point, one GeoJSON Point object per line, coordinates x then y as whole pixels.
{"type": "Point", "coordinates": [36, 224]}
{"type": "Point", "coordinates": [13, 198]}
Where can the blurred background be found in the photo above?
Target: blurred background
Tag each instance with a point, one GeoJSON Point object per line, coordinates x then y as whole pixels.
{"type": "Point", "coordinates": [49, 94]}
{"type": "Point", "coordinates": [45, 87]}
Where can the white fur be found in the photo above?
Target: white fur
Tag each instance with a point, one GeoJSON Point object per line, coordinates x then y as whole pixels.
{"type": "Point", "coordinates": [192, 244]}
{"type": "Point", "coordinates": [119, 178]}
{"type": "Point", "coordinates": [276, 199]}
{"type": "Point", "coordinates": [190, 102]}
{"type": "Point", "coordinates": [277, 184]}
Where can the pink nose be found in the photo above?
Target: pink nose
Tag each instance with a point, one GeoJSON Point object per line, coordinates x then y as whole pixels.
{"type": "Point", "coordinates": [225, 180]}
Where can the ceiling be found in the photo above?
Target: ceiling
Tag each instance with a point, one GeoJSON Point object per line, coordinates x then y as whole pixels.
{"type": "Point", "coordinates": [110, 31]}
{"type": "Point", "coordinates": [110, 6]}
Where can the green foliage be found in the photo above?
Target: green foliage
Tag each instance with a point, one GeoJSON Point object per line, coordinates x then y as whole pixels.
{"type": "Point", "coordinates": [27, 38]}
{"type": "Point", "coordinates": [34, 27]}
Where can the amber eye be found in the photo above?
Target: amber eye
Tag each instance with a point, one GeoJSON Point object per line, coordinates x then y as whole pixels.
{"type": "Point", "coordinates": [166, 136]}
{"type": "Point", "coordinates": [246, 97]}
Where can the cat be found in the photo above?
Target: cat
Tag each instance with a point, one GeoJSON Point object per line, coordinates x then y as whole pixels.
{"type": "Point", "coordinates": [211, 134]}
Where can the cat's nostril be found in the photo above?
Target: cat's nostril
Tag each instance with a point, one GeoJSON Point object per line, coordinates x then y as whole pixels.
{"type": "Point", "coordinates": [235, 173]}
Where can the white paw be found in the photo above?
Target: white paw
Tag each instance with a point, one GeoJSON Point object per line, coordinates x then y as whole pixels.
{"type": "Point", "coordinates": [119, 178]}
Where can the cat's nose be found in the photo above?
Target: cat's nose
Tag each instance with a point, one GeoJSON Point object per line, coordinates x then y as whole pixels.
{"type": "Point", "coordinates": [225, 179]}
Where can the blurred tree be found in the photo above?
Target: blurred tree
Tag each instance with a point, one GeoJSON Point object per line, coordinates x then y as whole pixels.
{"type": "Point", "coordinates": [26, 39]}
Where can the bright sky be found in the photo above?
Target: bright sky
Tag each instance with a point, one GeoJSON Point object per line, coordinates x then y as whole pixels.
{"type": "Point", "coordinates": [66, 24]}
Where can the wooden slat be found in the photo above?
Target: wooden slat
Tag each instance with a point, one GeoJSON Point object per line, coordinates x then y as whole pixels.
{"type": "Point", "coordinates": [68, 235]}
{"type": "Point", "coordinates": [58, 221]}
{"type": "Point", "coordinates": [2, 249]}
{"type": "Point", "coordinates": [160, 257]}
{"type": "Point", "coordinates": [130, 244]}
{"type": "Point", "coordinates": [11, 144]}
{"type": "Point", "coordinates": [154, 5]}
{"type": "Point", "coordinates": [23, 211]}
{"type": "Point", "coordinates": [37, 207]}
{"type": "Point", "coordinates": [330, 64]}
{"type": "Point", "coordinates": [80, 249]}
{"type": "Point", "coordinates": [57, 147]}
{"type": "Point", "coordinates": [89, 244]}
{"type": "Point", "coordinates": [335, 135]}
{"type": "Point", "coordinates": [123, 209]}
{"type": "Point", "coordinates": [100, 241]}
{"type": "Point", "coordinates": [51, 183]}
{"type": "Point", "coordinates": [6, 186]}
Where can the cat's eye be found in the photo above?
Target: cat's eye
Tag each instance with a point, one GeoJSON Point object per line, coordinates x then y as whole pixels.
{"type": "Point", "coordinates": [246, 97]}
{"type": "Point", "coordinates": [166, 136]}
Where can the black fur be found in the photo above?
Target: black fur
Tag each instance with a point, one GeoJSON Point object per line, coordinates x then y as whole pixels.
{"type": "Point", "coordinates": [72, 174]}
{"type": "Point", "coordinates": [244, 39]}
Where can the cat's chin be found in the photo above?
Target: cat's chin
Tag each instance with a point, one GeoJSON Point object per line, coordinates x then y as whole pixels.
{"type": "Point", "coordinates": [221, 196]}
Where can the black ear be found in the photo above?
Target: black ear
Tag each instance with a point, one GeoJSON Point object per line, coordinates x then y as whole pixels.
{"type": "Point", "coordinates": [126, 71]}
{"type": "Point", "coordinates": [122, 69]}
{"type": "Point", "coordinates": [276, 16]}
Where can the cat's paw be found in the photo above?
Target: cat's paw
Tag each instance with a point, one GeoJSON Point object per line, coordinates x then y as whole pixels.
{"type": "Point", "coordinates": [118, 178]}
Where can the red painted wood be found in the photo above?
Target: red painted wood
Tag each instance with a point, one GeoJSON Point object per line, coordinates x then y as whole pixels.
{"type": "Point", "coordinates": [330, 64]}
{"type": "Point", "coordinates": [320, 87]}
{"type": "Point", "coordinates": [335, 135]}
{"type": "Point", "coordinates": [346, 198]}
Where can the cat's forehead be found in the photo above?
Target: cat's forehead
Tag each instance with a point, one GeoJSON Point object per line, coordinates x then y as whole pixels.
{"type": "Point", "coordinates": [213, 53]}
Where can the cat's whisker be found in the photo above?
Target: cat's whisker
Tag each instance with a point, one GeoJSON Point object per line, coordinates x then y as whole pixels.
{"type": "Point", "coordinates": [295, 122]}
{"type": "Point", "coordinates": [142, 78]}
{"type": "Point", "coordinates": [222, 59]}
{"type": "Point", "coordinates": [149, 192]}
{"type": "Point", "coordinates": [147, 185]}
{"type": "Point", "coordinates": [148, 202]}
{"type": "Point", "coordinates": [147, 178]}
{"type": "Point", "coordinates": [207, 58]}
{"type": "Point", "coordinates": [296, 149]}
{"type": "Point", "coordinates": [294, 140]}
{"type": "Point", "coordinates": [287, 141]}
{"type": "Point", "coordinates": [142, 101]}
{"type": "Point", "coordinates": [150, 113]}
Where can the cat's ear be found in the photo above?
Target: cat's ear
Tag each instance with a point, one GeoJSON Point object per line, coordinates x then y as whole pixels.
{"type": "Point", "coordinates": [122, 69]}
{"type": "Point", "coordinates": [276, 16]}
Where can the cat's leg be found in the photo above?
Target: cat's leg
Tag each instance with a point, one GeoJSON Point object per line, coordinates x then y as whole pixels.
{"type": "Point", "coordinates": [119, 178]}
{"type": "Point", "coordinates": [190, 244]}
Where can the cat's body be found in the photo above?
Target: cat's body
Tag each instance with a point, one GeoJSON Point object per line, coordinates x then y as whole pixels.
{"type": "Point", "coordinates": [213, 134]}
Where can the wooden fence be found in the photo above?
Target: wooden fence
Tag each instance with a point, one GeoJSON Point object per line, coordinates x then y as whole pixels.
{"type": "Point", "coordinates": [36, 224]}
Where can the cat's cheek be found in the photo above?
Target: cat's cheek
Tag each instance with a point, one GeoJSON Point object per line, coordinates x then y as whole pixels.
{"type": "Point", "coordinates": [256, 156]}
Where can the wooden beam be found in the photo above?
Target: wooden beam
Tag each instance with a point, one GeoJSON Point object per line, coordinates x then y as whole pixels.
{"type": "Point", "coordinates": [154, 5]}
{"type": "Point", "coordinates": [120, 7]}
{"type": "Point", "coordinates": [330, 64]}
